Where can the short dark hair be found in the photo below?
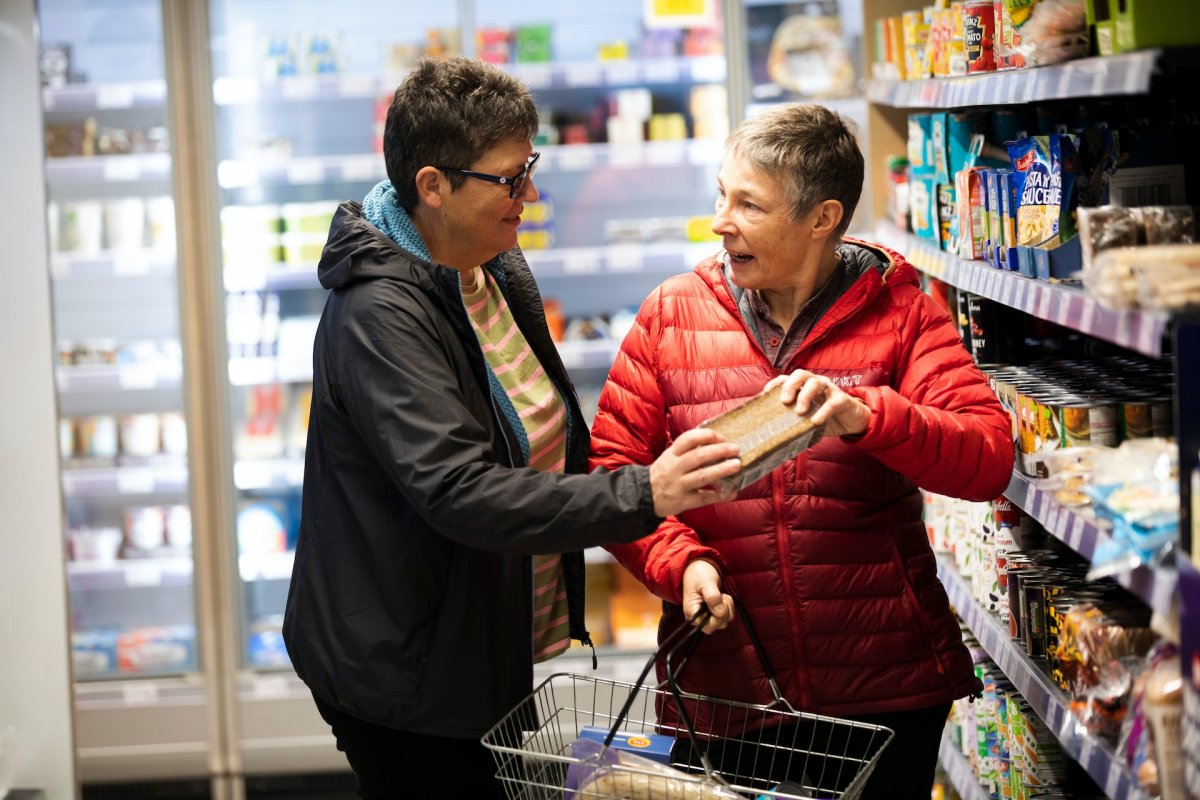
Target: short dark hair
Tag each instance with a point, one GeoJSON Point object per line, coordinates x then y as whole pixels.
{"type": "Point", "coordinates": [811, 150]}
{"type": "Point", "coordinates": [449, 112]}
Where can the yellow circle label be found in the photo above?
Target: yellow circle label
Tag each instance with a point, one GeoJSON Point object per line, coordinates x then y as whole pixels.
{"type": "Point", "coordinates": [638, 741]}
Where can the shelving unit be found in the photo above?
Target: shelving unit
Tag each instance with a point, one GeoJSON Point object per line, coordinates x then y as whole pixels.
{"type": "Point", "coordinates": [130, 573]}
{"type": "Point", "coordinates": [1064, 304]}
{"type": "Point", "coordinates": [1095, 756]}
{"type": "Point", "coordinates": [89, 379]}
{"type": "Point", "coordinates": [133, 168]}
{"type": "Point", "coordinates": [166, 476]}
{"type": "Point", "coordinates": [112, 264]}
{"type": "Point", "coordinates": [958, 769]}
{"type": "Point", "coordinates": [83, 98]}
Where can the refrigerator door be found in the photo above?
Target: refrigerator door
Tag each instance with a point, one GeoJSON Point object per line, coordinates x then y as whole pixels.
{"type": "Point", "coordinates": [141, 691]}
{"type": "Point", "coordinates": [300, 97]}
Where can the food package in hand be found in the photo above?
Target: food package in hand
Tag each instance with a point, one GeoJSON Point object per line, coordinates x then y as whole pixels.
{"type": "Point", "coordinates": [767, 432]}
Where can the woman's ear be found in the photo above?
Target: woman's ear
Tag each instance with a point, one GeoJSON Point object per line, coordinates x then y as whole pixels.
{"type": "Point", "coordinates": [431, 183]}
{"type": "Point", "coordinates": [826, 218]}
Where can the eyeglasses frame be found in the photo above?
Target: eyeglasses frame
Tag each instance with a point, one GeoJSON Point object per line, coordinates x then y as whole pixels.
{"type": "Point", "coordinates": [515, 183]}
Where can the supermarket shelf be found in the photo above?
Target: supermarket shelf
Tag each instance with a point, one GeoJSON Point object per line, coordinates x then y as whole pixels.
{"type": "Point", "coordinates": [1068, 306]}
{"type": "Point", "coordinates": [132, 573]}
{"type": "Point", "coordinates": [86, 97]}
{"type": "Point", "coordinates": [538, 77]}
{"type": "Point", "coordinates": [268, 473]}
{"type": "Point", "coordinates": [112, 264]}
{"type": "Point", "coordinates": [1125, 74]}
{"type": "Point", "coordinates": [665, 258]}
{"type": "Point", "coordinates": [262, 370]}
{"type": "Point", "coordinates": [369, 167]}
{"type": "Point", "coordinates": [668, 258]}
{"type": "Point", "coordinates": [958, 769]}
{"type": "Point", "coordinates": [160, 476]}
{"type": "Point", "coordinates": [1083, 532]}
{"type": "Point", "coordinates": [139, 167]}
{"type": "Point", "coordinates": [1093, 754]}
{"type": "Point", "coordinates": [92, 378]}
{"type": "Point", "coordinates": [266, 566]}
{"type": "Point", "coordinates": [631, 72]}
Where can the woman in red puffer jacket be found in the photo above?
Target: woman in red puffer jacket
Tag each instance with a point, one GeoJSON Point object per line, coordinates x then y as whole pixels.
{"type": "Point", "coordinates": [828, 553]}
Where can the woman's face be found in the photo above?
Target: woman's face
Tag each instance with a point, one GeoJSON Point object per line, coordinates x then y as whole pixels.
{"type": "Point", "coordinates": [753, 219]}
{"type": "Point", "coordinates": [481, 219]}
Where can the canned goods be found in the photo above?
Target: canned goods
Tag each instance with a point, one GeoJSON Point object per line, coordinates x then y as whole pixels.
{"type": "Point", "coordinates": [1033, 604]}
{"type": "Point", "coordinates": [1136, 420]}
{"type": "Point", "coordinates": [1087, 422]}
{"type": "Point", "coordinates": [979, 33]}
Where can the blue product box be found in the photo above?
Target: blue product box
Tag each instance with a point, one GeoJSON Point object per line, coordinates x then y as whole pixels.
{"type": "Point", "coordinates": [1006, 252]}
{"type": "Point", "coordinates": [1025, 262]}
{"type": "Point", "coordinates": [1062, 263]}
{"type": "Point", "coordinates": [920, 145]}
{"type": "Point", "coordinates": [995, 217]}
{"type": "Point", "coordinates": [939, 142]}
{"type": "Point", "coordinates": [923, 210]}
{"type": "Point", "coordinates": [653, 746]}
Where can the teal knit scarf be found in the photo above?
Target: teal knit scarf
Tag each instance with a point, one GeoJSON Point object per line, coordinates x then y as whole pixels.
{"type": "Point", "coordinates": [381, 210]}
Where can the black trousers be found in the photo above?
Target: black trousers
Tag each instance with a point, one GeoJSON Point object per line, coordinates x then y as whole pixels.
{"type": "Point", "coordinates": [827, 755]}
{"type": "Point", "coordinates": [390, 763]}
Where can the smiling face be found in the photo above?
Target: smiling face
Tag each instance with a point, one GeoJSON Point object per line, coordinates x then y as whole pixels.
{"type": "Point", "coordinates": [478, 220]}
{"type": "Point", "coordinates": [768, 249]}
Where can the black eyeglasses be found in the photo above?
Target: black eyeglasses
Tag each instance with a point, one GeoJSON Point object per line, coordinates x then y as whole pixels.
{"type": "Point", "coordinates": [515, 184]}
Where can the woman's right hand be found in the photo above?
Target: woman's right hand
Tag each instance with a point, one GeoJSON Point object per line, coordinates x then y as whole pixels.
{"type": "Point", "coordinates": [702, 587]}
{"type": "Point", "coordinates": [685, 475]}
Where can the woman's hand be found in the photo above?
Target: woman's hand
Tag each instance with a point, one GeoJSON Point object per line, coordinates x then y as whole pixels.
{"type": "Point", "coordinates": [841, 414]}
{"type": "Point", "coordinates": [702, 587]}
{"type": "Point", "coordinates": [684, 476]}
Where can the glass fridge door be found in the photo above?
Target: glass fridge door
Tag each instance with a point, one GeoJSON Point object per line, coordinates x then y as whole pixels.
{"type": "Point", "coordinates": [300, 100]}
{"type": "Point", "coordinates": [140, 695]}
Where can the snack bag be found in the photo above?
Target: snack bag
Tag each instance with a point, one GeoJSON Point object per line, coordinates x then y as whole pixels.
{"type": "Point", "coordinates": [1044, 169]}
{"type": "Point", "coordinates": [607, 772]}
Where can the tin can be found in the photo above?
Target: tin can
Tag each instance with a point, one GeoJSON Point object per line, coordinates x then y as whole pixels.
{"type": "Point", "coordinates": [1033, 596]}
{"type": "Point", "coordinates": [1162, 416]}
{"type": "Point", "coordinates": [1136, 420]}
{"type": "Point", "coordinates": [979, 34]}
{"type": "Point", "coordinates": [1089, 422]}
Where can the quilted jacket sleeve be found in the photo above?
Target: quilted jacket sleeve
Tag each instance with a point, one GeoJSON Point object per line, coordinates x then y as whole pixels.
{"type": "Point", "coordinates": [631, 428]}
{"type": "Point", "coordinates": [942, 426]}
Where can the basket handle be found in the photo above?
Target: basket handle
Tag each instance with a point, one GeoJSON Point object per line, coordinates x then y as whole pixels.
{"type": "Point", "coordinates": [688, 636]}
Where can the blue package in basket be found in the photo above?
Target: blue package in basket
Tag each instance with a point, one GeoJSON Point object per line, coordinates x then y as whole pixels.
{"type": "Point", "coordinates": [653, 746]}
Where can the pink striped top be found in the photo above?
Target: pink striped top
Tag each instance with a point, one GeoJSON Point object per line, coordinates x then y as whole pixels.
{"type": "Point", "coordinates": [544, 417]}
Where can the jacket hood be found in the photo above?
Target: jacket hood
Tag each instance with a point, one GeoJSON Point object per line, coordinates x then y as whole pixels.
{"type": "Point", "coordinates": [358, 251]}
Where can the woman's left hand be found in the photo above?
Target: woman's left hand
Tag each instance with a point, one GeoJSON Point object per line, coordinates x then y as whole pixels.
{"type": "Point", "coordinates": [840, 413]}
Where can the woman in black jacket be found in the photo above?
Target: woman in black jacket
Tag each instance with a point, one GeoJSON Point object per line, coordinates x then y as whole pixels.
{"type": "Point", "coordinates": [431, 478]}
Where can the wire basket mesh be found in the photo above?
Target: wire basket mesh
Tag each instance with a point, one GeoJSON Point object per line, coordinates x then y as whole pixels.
{"type": "Point", "coordinates": [744, 750]}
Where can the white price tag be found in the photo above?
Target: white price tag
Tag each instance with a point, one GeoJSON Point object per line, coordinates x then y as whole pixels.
{"type": "Point", "coordinates": [122, 168]}
{"type": "Point", "coordinates": [1123, 334]}
{"type": "Point", "coordinates": [708, 69]}
{"type": "Point", "coordinates": [625, 259]}
{"type": "Point", "coordinates": [581, 263]}
{"type": "Point", "coordinates": [137, 376]}
{"type": "Point", "coordinates": [1042, 306]}
{"type": "Point", "coordinates": [142, 573]}
{"type": "Point", "coordinates": [305, 170]}
{"type": "Point", "coordinates": [1075, 534]}
{"type": "Point", "coordinates": [620, 73]}
{"type": "Point", "coordinates": [293, 474]}
{"type": "Point", "coordinates": [1148, 335]}
{"type": "Point", "coordinates": [236, 174]}
{"type": "Point", "coordinates": [140, 693]}
{"type": "Point", "coordinates": [363, 168]}
{"type": "Point", "coordinates": [627, 155]}
{"type": "Point", "coordinates": [573, 158]}
{"type": "Point", "coordinates": [271, 687]}
{"type": "Point", "coordinates": [358, 86]}
{"type": "Point", "coordinates": [661, 71]}
{"type": "Point", "coordinates": [116, 95]}
{"type": "Point", "coordinates": [1062, 307]}
{"type": "Point", "coordinates": [234, 91]}
{"type": "Point", "coordinates": [251, 475]}
{"type": "Point", "coordinates": [583, 75]}
{"type": "Point", "coordinates": [535, 76]}
{"type": "Point", "coordinates": [135, 480]}
{"type": "Point", "coordinates": [299, 88]}
{"type": "Point", "coordinates": [1087, 320]}
{"type": "Point", "coordinates": [666, 154]}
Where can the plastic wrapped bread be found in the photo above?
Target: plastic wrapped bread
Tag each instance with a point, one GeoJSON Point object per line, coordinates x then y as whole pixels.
{"type": "Point", "coordinates": [1165, 277]}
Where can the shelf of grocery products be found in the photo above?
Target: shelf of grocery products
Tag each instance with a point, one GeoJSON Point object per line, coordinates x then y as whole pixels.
{"type": "Point", "coordinates": [86, 97]}
{"type": "Point", "coordinates": [139, 692]}
{"type": "Point", "coordinates": [959, 771]}
{"type": "Point", "coordinates": [1093, 754]}
{"type": "Point", "coordinates": [130, 573]}
{"type": "Point", "coordinates": [264, 370]}
{"type": "Point", "coordinates": [369, 167]}
{"type": "Point", "coordinates": [1102, 76]}
{"type": "Point", "coordinates": [133, 168]}
{"type": "Point", "coordinates": [92, 378]}
{"type": "Point", "coordinates": [1083, 532]}
{"type": "Point", "coordinates": [165, 475]}
{"type": "Point", "coordinates": [537, 76]}
{"type": "Point", "coordinates": [112, 264]}
{"type": "Point", "coordinates": [1064, 305]}
{"type": "Point", "coordinates": [666, 258]}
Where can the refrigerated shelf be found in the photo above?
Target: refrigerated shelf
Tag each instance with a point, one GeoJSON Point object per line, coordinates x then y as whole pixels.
{"type": "Point", "coordinates": [112, 264]}
{"type": "Point", "coordinates": [85, 97]}
{"type": "Point", "coordinates": [166, 476]}
{"type": "Point", "coordinates": [130, 573]}
{"type": "Point", "coordinates": [134, 168]}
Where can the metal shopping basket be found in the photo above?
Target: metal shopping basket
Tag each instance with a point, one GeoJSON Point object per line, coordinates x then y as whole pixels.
{"type": "Point", "coordinates": [742, 750]}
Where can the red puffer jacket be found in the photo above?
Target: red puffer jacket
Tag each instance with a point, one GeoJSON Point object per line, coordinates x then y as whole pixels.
{"type": "Point", "coordinates": [828, 553]}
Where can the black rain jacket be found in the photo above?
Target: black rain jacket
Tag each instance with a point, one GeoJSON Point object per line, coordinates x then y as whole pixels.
{"type": "Point", "coordinates": [410, 603]}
